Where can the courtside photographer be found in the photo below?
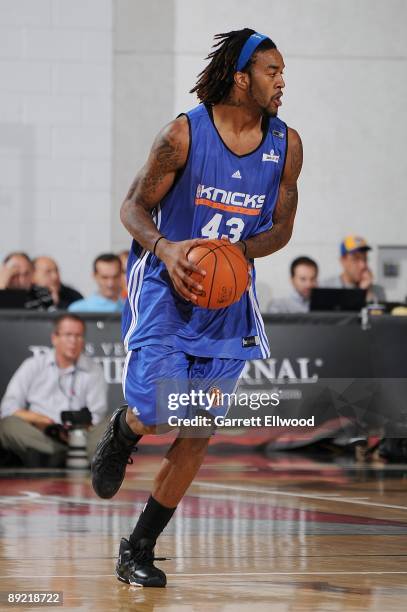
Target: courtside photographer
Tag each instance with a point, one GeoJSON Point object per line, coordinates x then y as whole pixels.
{"type": "Point", "coordinates": [46, 385]}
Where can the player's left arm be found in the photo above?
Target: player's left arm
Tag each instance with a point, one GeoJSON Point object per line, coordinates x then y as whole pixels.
{"type": "Point", "coordinates": [277, 237]}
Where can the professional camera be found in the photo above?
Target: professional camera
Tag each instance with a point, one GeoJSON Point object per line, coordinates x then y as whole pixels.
{"type": "Point", "coordinates": [71, 419]}
{"type": "Point", "coordinates": [77, 419]}
{"type": "Point", "coordinates": [76, 422]}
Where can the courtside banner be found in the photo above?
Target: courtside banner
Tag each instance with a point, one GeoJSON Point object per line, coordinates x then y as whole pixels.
{"type": "Point", "coordinates": [326, 372]}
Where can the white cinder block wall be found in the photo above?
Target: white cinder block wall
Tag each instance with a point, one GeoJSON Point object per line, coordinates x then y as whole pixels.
{"type": "Point", "coordinates": [62, 176]}
{"type": "Point", "coordinates": [55, 131]}
{"type": "Point", "coordinates": [144, 87]}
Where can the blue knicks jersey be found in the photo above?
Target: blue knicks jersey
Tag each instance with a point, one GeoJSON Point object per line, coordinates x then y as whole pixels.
{"type": "Point", "coordinates": [218, 195]}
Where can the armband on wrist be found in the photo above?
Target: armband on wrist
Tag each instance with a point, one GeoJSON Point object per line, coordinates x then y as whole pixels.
{"type": "Point", "coordinates": [156, 242]}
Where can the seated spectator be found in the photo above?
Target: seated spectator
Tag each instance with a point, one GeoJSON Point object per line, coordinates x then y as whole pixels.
{"type": "Point", "coordinates": [124, 255]}
{"type": "Point", "coordinates": [46, 274]}
{"type": "Point", "coordinates": [304, 277]}
{"type": "Point", "coordinates": [107, 272]}
{"type": "Point", "coordinates": [17, 272]}
{"type": "Point", "coordinates": [356, 273]}
{"type": "Point", "coordinates": [45, 385]}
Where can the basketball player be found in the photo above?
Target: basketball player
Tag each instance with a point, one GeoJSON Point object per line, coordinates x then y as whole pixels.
{"type": "Point", "coordinates": [226, 169]}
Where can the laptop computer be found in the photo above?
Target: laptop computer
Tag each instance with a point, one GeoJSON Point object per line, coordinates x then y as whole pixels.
{"type": "Point", "coordinates": [323, 298]}
{"type": "Point", "coordinates": [13, 298]}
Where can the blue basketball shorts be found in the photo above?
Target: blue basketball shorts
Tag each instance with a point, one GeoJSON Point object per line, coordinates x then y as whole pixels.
{"type": "Point", "coordinates": [160, 382]}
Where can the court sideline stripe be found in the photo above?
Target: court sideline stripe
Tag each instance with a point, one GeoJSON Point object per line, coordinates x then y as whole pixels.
{"type": "Point", "coordinates": [290, 494]}
{"type": "Point", "coordinates": [229, 574]}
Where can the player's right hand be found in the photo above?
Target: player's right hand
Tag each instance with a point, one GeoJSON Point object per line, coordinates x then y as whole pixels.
{"type": "Point", "coordinates": [175, 257]}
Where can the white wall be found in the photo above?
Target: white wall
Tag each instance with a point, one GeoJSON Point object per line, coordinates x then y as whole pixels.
{"type": "Point", "coordinates": [346, 89]}
{"type": "Point", "coordinates": [55, 131]}
{"type": "Point", "coordinates": [143, 91]}
{"type": "Point", "coordinates": [68, 155]}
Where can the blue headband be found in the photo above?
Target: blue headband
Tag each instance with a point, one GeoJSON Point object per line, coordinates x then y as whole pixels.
{"type": "Point", "coordinates": [248, 49]}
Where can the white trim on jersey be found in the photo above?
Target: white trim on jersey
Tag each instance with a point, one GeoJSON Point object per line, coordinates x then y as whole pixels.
{"type": "Point", "coordinates": [137, 274]}
{"type": "Point", "coordinates": [258, 319]}
{"type": "Point", "coordinates": [262, 328]}
{"type": "Point", "coordinates": [124, 374]}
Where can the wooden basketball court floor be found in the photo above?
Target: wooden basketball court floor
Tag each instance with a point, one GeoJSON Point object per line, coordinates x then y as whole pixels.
{"type": "Point", "coordinates": [286, 533]}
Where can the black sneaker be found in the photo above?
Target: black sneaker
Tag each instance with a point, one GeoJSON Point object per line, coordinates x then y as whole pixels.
{"type": "Point", "coordinates": [110, 459]}
{"type": "Point", "coordinates": [135, 564]}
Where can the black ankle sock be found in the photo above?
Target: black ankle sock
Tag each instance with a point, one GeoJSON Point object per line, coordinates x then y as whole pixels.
{"type": "Point", "coordinates": [152, 521]}
{"type": "Point", "coordinates": [126, 434]}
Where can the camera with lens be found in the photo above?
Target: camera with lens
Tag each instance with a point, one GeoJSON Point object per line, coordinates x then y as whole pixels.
{"type": "Point", "coordinates": [73, 434]}
{"type": "Point", "coordinates": [76, 423]}
{"type": "Point", "coordinates": [73, 421]}
{"type": "Point", "coordinates": [76, 419]}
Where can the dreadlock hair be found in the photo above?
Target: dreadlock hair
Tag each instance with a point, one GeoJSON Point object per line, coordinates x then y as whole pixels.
{"type": "Point", "coordinates": [217, 79]}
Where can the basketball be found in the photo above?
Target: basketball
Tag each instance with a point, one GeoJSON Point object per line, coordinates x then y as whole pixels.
{"type": "Point", "coordinates": [227, 273]}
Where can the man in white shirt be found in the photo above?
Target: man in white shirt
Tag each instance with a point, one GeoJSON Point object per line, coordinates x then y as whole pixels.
{"type": "Point", "coordinates": [44, 386]}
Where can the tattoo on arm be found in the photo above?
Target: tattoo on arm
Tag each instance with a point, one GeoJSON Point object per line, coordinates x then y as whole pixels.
{"type": "Point", "coordinates": [287, 203]}
{"type": "Point", "coordinates": [164, 158]}
{"type": "Point", "coordinates": [152, 183]}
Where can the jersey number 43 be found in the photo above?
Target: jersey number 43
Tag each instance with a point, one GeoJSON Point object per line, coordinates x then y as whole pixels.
{"type": "Point", "coordinates": [234, 225]}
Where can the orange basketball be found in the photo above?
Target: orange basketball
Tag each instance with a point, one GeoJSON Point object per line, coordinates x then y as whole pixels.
{"type": "Point", "coordinates": [227, 273]}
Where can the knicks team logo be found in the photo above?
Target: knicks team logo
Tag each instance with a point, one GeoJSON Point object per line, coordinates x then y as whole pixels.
{"type": "Point", "coordinates": [233, 201]}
